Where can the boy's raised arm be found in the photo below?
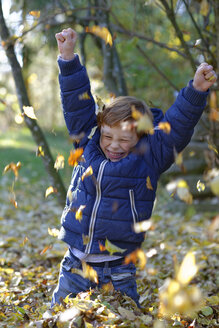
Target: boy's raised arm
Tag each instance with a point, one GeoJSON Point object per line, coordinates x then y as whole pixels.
{"type": "Point", "coordinates": [77, 100]}
{"type": "Point", "coordinates": [183, 115]}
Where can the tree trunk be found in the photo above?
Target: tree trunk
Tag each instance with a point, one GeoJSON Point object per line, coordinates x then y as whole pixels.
{"type": "Point", "coordinates": [23, 100]}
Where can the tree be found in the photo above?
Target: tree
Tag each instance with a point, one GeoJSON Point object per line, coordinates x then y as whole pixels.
{"type": "Point", "coordinates": [23, 100]}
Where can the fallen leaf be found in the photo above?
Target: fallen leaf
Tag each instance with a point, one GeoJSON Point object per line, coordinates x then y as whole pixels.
{"type": "Point", "coordinates": [78, 214]}
{"type": "Point", "coordinates": [13, 167]}
{"type": "Point", "coordinates": [39, 151]}
{"type": "Point", "coordinates": [53, 232]}
{"type": "Point", "coordinates": [60, 162]}
{"type": "Point", "coordinates": [148, 183]}
{"type": "Point", "coordinates": [111, 248]}
{"type": "Point", "coordinates": [187, 270]}
{"type": "Point", "coordinates": [29, 112]}
{"type": "Point", "coordinates": [75, 156]}
{"type": "Point", "coordinates": [89, 272]}
{"type": "Point", "coordinates": [87, 173]}
{"type": "Point", "coordinates": [50, 190]}
{"type": "Point", "coordinates": [35, 13]}
{"type": "Point", "coordinates": [165, 126]}
{"type": "Point", "coordinates": [102, 32]}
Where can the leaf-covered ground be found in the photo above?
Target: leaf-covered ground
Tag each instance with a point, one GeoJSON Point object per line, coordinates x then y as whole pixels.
{"type": "Point", "coordinates": [30, 258]}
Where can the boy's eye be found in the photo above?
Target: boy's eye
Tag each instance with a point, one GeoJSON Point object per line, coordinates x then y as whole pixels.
{"type": "Point", "coordinates": [108, 137]}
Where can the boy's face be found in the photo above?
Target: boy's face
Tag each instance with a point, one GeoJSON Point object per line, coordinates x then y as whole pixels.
{"type": "Point", "coordinates": [116, 143]}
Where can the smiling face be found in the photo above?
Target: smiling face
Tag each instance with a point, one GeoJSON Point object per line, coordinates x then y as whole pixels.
{"type": "Point", "coordinates": [116, 143]}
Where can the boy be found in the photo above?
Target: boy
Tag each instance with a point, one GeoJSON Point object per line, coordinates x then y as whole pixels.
{"type": "Point", "coordinates": [116, 195]}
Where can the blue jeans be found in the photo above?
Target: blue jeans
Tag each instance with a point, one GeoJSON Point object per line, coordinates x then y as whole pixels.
{"type": "Point", "coordinates": [121, 276]}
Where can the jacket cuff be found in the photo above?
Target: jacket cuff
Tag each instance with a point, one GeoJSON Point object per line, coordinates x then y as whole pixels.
{"type": "Point", "coordinates": [195, 97]}
{"type": "Point", "coordinates": [68, 67]}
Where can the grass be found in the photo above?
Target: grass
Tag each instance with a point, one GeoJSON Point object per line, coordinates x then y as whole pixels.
{"type": "Point", "coordinates": [18, 145]}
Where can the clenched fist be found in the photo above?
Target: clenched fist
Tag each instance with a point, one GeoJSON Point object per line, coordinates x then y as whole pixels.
{"type": "Point", "coordinates": [66, 41]}
{"type": "Point", "coordinates": [204, 77]}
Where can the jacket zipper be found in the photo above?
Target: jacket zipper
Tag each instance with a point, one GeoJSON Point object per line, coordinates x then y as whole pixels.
{"type": "Point", "coordinates": [96, 205]}
{"type": "Point", "coordinates": [133, 208]}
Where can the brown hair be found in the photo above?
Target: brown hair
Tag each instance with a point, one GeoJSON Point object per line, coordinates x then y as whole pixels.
{"type": "Point", "coordinates": [120, 109]}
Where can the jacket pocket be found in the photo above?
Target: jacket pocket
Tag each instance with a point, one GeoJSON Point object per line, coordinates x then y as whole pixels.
{"type": "Point", "coordinates": [132, 203]}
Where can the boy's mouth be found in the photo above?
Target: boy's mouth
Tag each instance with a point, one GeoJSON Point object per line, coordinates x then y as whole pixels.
{"type": "Point", "coordinates": [114, 156]}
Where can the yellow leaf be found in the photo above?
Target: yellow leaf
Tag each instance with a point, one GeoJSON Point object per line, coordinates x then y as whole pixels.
{"type": "Point", "coordinates": [142, 226]}
{"type": "Point", "coordinates": [40, 151]}
{"type": "Point", "coordinates": [100, 104]}
{"type": "Point", "coordinates": [212, 147]}
{"type": "Point", "coordinates": [13, 167]}
{"type": "Point", "coordinates": [14, 202]}
{"type": "Point", "coordinates": [165, 126]}
{"type": "Point", "coordinates": [148, 183]}
{"type": "Point", "coordinates": [183, 192]}
{"type": "Point", "coordinates": [143, 121]}
{"type": "Point", "coordinates": [75, 156]}
{"type": "Point", "coordinates": [187, 270]}
{"type": "Point", "coordinates": [45, 249]}
{"type": "Point", "coordinates": [200, 186]}
{"type": "Point", "coordinates": [102, 32]}
{"type": "Point", "coordinates": [35, 13]}
{"type": "Point", "coordinates": [78, 214]}
{"type": "Point", "coordinates": [137, 257]}
{"type": "Point", "coordinates": [89, 272]}
{"type": "Point", "coordinates": [60, 162]}
{"type": "Point", "coordinates": [49, 191]}
{"type": "Point", "coordinates": [93, 130]}
{"type": "Point", "coordinates": [87, 173]}
{"type": "Point", "coordinates": [204, 8]}
{"type": "Point", "coordinates": [24, 241]}
{"type": "Point", "coordinates": [214, 184]}
{"type": "Point", "coordinates": [84, 96]}
{"type": "Point", "coordinates": [111, 248]}
{"type": "Point", "coordinates": [53, 232]}
{"type": "Point", "coordinates": [86, 239]}
{"type": "Point", "coordinates": [29, 112]}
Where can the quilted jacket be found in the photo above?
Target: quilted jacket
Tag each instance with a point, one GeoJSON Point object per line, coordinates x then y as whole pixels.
{"type": "Point", "coordinates": [116, 196]}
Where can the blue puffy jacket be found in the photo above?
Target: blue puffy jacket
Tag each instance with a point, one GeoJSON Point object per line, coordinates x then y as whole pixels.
{"type": "Point", "coordinates": [116, 195]}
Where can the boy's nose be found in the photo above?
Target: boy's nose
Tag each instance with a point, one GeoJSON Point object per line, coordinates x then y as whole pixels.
{"type": "Point", "coordinates": [114, 145]}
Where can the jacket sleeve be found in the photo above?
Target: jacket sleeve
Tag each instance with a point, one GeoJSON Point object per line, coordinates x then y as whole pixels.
{"type": "Point", "coordinates": [77, 101]}
{"type": "Point", "coordinates": [182, 116]}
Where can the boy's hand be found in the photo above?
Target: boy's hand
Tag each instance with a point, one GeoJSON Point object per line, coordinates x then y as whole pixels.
{"type": "Point", "coordinates": [66, 43]}
{"type": "Point", "coordinates": [204, 77]}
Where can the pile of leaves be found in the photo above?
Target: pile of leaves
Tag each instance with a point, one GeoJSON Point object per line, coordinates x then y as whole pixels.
{"type": "Point", "coordinates": [178, 286]}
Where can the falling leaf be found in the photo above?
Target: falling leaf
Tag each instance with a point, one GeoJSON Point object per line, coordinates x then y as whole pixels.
{"type": "Point", "coordinates": [35, 13]}
{"type": "Point", "coordinates": [53, 232]}
{"type": "Point", "coordinates": [75, 156]}
{"type": "Point", "coordinates": [108, 287]}
{"type": "Point", "coordinates": [187, 270]}
{"type": "Point", "coordinates": [200, 186]}
{"type": "Point", "coordinates": [60, 162]}
{"type": "Point", "coordinates": [13, 167]}
{"type": "Point", "coordinates": [214, 115]}
{"type": "Point", "coordinates": [84, 96]}
{"type": "Point", "coordinates": [78, 214]}
{"type": "Point", "coordinates": [143, 121]}
{"type": "Point", "coordinates": [89, 272]}
{"type": "Point", "coordinates": [14, 202]}
{"type": "Point", "coordinates": [102, 32]}
{"type": "Point", "coordinates": [93, 130]}
{"type": "Point", "coordinates": [214, 184]}
{"type": "Point", "coordinates": [148, 183]}
{"type": "Point", "coordinates": [40, 151]}
{"type": "Point", "coordinates": [137, 257]}
{"type": "Point", "coordinates": [165, 126]}
{"type": "Point", "coordinates": [49, 191]}
{"type": "Point", "coordinates": [87, 173]}
{"type": "Point", "coordinates": [45, 249]}
{"type": "Point", "coordinates": [197, 43]}
{"type": "Point", "coordinates": [111, 248]}
{"type": "Point", "coordinates": [102, 247]}
{"type": "Point", "coordinates": [29, 112]}
{"type": "Point", "coordinates": [25, 241]}
{"type": "Point", "coordinates": [86, 239]}
{"type": "Point", "coordinates": [212, 147]}
{"type": "Point", "coordinates": [183, 192]}
{"type": "Point", "coordinates": [142, 226]}
{"type": "Point", "coordinates": [204, 7]}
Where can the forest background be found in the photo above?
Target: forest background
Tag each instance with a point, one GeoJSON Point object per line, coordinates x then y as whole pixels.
{"type": "Point", "coordinates": [148, 49]}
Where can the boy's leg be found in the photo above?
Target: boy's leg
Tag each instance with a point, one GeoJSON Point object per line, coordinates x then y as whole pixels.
{"type": "Point", "coordinates": [69, 282]}
{"type": "Point", "coordinates": [123, 279]}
